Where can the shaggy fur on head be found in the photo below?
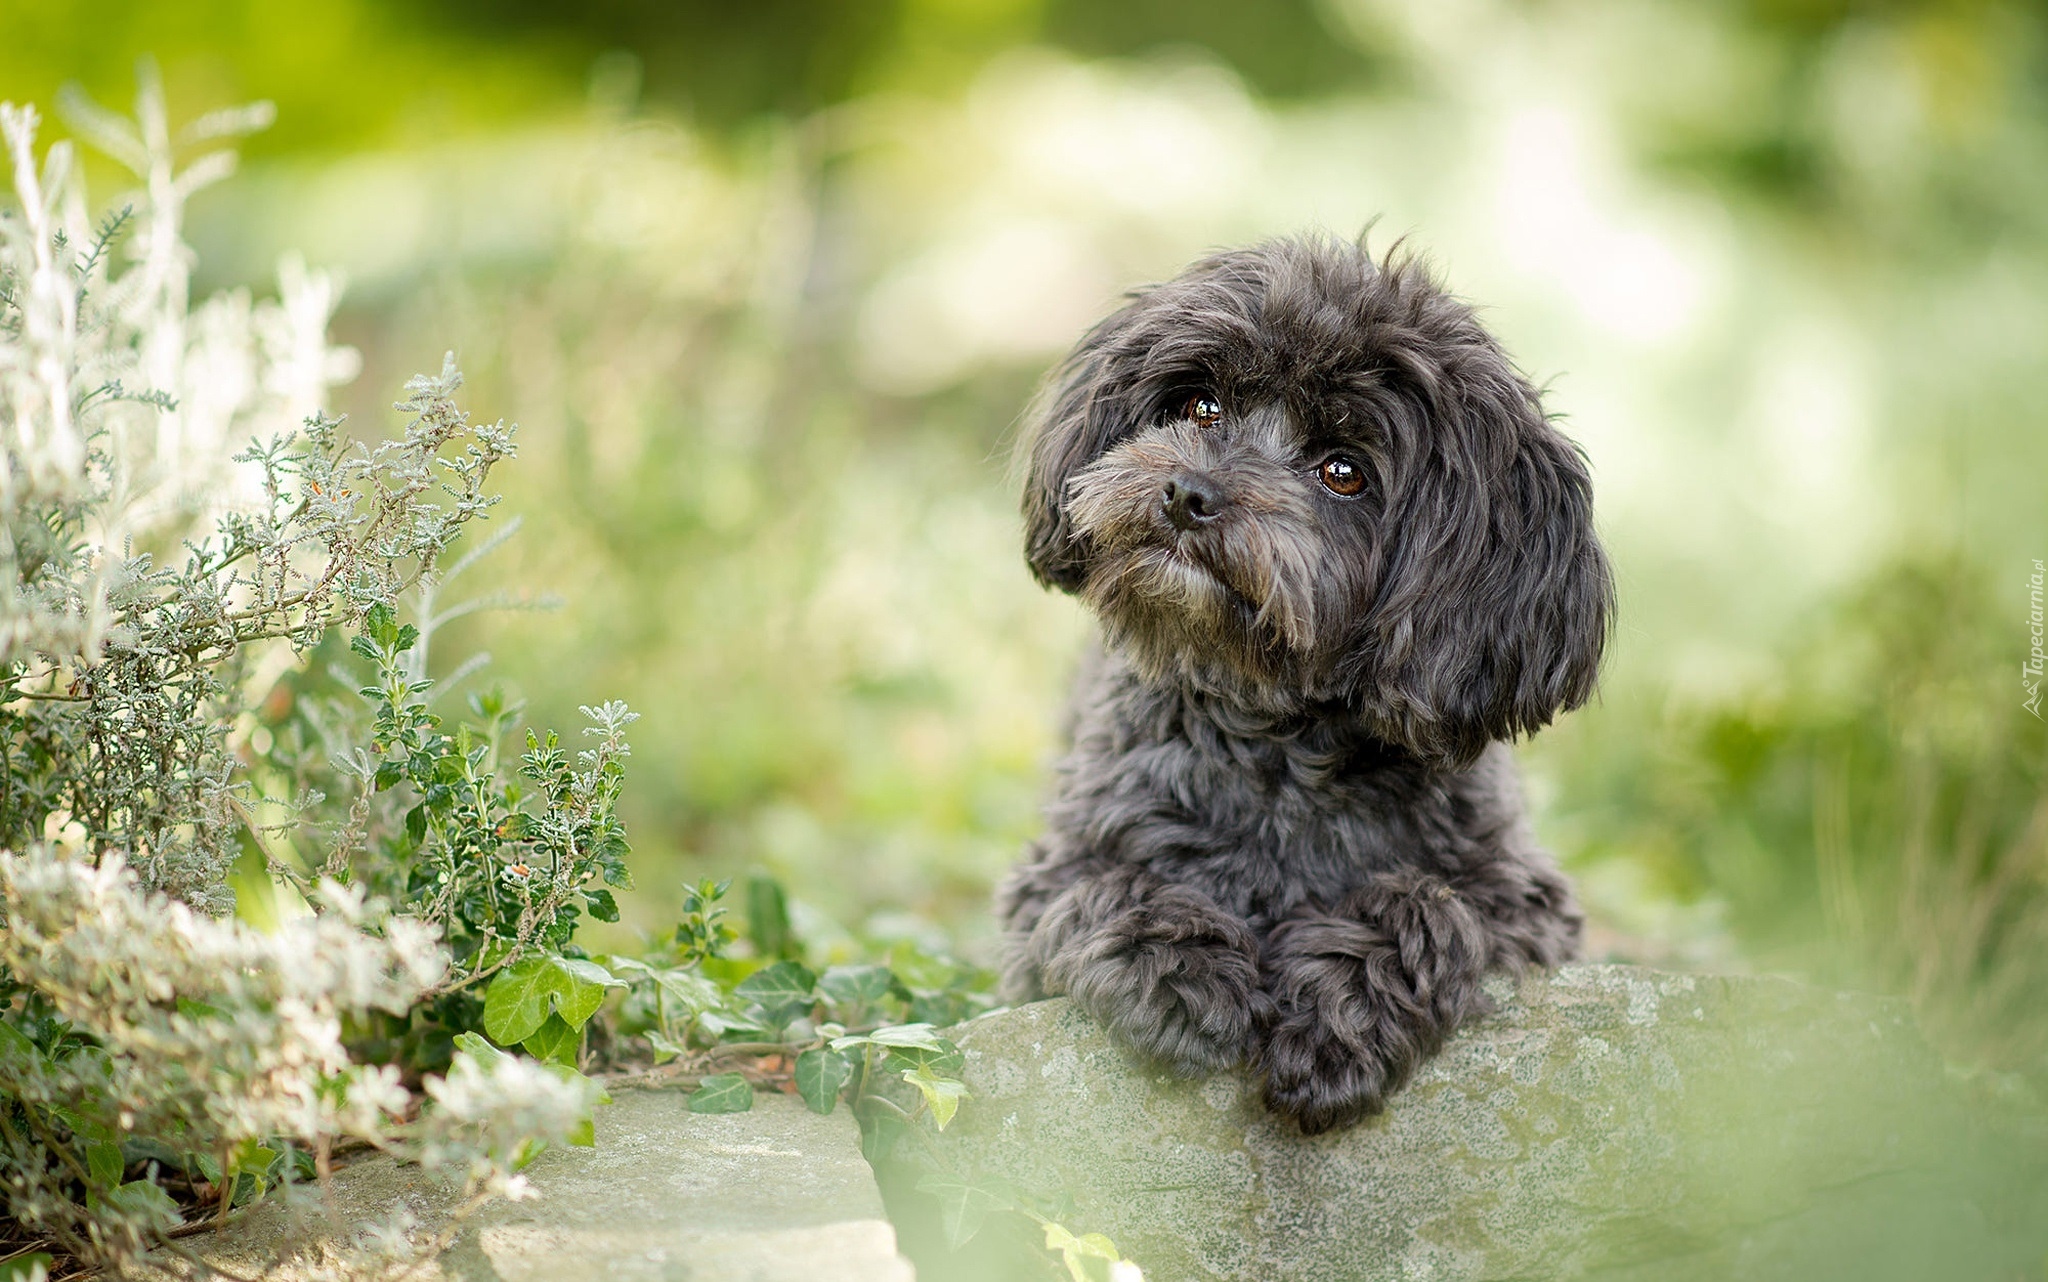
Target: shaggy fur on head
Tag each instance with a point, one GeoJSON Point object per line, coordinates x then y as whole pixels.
{"type": "Point", "coordinates": [1339, 555]}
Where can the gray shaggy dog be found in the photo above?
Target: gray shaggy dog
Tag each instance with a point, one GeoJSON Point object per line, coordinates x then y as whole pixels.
{"type": "Point", "coordinates": [1339, 555]}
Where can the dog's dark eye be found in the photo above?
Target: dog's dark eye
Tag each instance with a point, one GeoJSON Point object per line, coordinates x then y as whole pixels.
{"type": "Point", "coordinates": [1342, 476]}
{"type": "Point", "coordinates": [1204, 409]}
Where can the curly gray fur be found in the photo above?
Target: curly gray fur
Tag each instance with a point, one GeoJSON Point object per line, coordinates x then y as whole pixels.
{"type": "Point", "coordinates": [1288, 831]}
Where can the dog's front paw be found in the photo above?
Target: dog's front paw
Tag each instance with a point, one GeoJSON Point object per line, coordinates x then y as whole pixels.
{"type": "Point", "coordinates": [1170, 974]}
{"type": "Point", "coordinates": [1318, 1078]}
{"type": "Point", "coordinates": [1356, 1001]}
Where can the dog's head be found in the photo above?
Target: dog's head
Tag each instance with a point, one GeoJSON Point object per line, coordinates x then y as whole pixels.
{"type": "Point", "coordinates": [1305, 478]}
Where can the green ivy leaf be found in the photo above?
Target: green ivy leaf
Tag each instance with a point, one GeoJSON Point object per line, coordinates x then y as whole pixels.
{"type": "Point", "coordinates": [856, 986]}
{"type": "Point", "coordinates": [820, 1076]}
{"type": "Point", "coordinates": [146, 1201]}
{"type": "Point", "coordinates": [725, 1093]}
{"type": "Point", "coordinates": [878, 1135]}
{"type": "Point", "coordinates": [17, 1052]}
{"type": "Point", "coordinates": [906, 1036]}
{"type": "Point", "coordinates": [85, 1126]}
{"type": "Point", "coordinates": [586, 988]}
{"type": "Point", "coordinates": [519, 1000]}
{"type": "Point", "coordinates": [691, 989]}
{"type": "Point", "coordinates": [485, 1054]}
{"type": "Point", "coordinates": [964, 1207]}
{"type": "Point", "coordinates": [103, 1158]}
{"type": "Point", "coordinates": [23, 1267]}
{"type": "Point", "coordinates": [918, 1046]}
{"type": "Point", "coordinates": [942, 1094]}
{"type": "Point", "coordinates": [629, 969]}
{"type": "Point", "coordinates": [718, 1024]}
{"type": "Point", "coordinates": [524, 994]}
{"type": "Point", "coordinates": [664, 1049]}
{"type": "Point", "coordinates": [784, 991]}
{"type": "Point", "coordinates": [768, 916]}
{"type": "Point", "coordinates": [942, 1007]}
{"type": "Point", "coordinates": [1091, 1257]}
{"type": "Point", "coordinates": [555, 1042]}
{"type": "Point", "coordinates": [249, 1168]}
{"type": "Point", "coordinates": [584, 1135]}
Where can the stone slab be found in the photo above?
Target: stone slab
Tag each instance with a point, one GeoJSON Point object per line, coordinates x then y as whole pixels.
{"type": "Point", "coordinates": [775, 1194]}
{"type": "Point", "coordinates": [1608, 1122]}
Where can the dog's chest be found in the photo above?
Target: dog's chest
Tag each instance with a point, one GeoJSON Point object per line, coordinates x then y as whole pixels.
{"type": "Point", "coordinates": [1261, 823]}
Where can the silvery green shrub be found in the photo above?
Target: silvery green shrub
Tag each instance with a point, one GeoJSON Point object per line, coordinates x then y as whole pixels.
{"type": "Point", "coordinates": [180, 524]}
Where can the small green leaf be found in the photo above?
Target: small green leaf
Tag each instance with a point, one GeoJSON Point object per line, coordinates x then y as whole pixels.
{"type": "Point", "coordinates": [84, 1126]}
{"type": "Point", "coordinates": [24, 1267]}
{"type": "Point", "coordinates": [691, 989]}
{"type": "Point", "coordinates": [857, 985]}
{"type": "Point", "coordinates": [521, 997]}
{"type": "Point", "coordinates": [485, 1054]}
{"type": "Point", "coordinates": [725, 1093]}
{"type": "Point", "coordinates": [1091, 1257]}
{"type": "Point", "coordinates": [380, 624]}
{"type": "Point", "coordinates": [598, 1094]}
{"type": "Point", "coordinates": [602, 906]}
{"type": "Point", "coordinates": [103, 1158]}
{"type": "Point", "coordinates": [820, 1076]}
{"type": "Point", "coordinates": [963, 1207]}
{"type": "Point", "coordinates": [918, 1046]}
{"type": "Point", "coordinates": [555, 1042]}
{"type": "Point", "coordinates": [584, 989]}
{"type": "Point", "coordinates": [249, 1170]}
{"type": "Point", "coordinates": [942, 1094]}
{"type": "Point", "coordinates": [17, 1052]}
{"type": "Point", "coordinates": [519, 1000]}
{"type": "Point", "coordinates": [664, 1049]}
{"type": "Point", "coordinates": [630, 969]}
{"type": "Point", "coordinates": [784, 991]}
{"type": "Point", "coordinates": [719, 1024]}
{"type": "Point", "coordinates": [768, 916]}
{"type": "Point", "coordinates": [943, 1007]}
{"type": "Point", "coordinates": [896, 1035]}
{"type": "Point", "coordinates": [878, 1135]}
{"type": "Point", "coordinates": [584, 1134]}
{"type": "Point", "coordinates": [146, 1201]}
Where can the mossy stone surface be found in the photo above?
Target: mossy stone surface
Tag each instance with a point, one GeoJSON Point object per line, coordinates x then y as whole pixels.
{"type": "Point", "coordinates": [774, 1194]}
{"type": "Point", "coordinates": [1606, 1122]}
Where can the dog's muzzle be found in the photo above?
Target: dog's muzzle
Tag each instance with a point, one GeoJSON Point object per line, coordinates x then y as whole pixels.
{"type": "Point", "coordinates": [1191, 500]}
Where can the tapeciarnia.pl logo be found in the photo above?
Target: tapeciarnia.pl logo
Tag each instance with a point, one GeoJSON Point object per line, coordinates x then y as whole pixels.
{"type": "Point", "coordinates": [2030, 671]}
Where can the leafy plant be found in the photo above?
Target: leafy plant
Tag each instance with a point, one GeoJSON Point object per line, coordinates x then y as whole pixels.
{"type": "Point", "coordinates": [192, 688]}
{"type": "Point", "coordinates": [840, 1034]}
{"type": "Point", "coordinates": [155, 1056]}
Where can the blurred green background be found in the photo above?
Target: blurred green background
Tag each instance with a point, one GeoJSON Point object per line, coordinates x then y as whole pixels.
{"type": "Point", "coordinates": [767, 286]}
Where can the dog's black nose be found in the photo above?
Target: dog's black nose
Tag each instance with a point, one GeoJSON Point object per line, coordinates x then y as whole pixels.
{"type": "Point", "coordinates": [1191, 500]}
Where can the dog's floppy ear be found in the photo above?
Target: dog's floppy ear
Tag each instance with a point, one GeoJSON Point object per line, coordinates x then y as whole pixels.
{"type": "Point", "coordinates": [1494, 604]}
{"type": "Point", "coordinates": [1081, 411]}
